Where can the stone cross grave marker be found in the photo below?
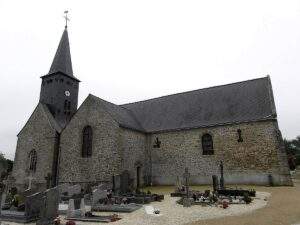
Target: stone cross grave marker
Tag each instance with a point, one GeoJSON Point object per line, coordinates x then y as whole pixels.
{"type": "Point", "coordinates": [186, 200]}
{"type": "Point", "coordinates": [186, 177]}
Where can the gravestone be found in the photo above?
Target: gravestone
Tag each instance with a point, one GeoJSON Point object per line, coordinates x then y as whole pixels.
{"type": "Point", "coordinates": [113, 183]}
{"type": "Point", "coordinates": [49, 209]}
{"type": "Point", "coordinates": [215, 182]}
{"type": "Point", "coordinates": [222, 182]}
{"type": "Point", "coordinates": [33, 204]}
{"type": "Point", "coordinates": [74, 190]}
{"type": "Point", "coordinates": [186, 200]}
{"type": "Point", "coordinates": [74, 211]}
{"type": "Point", "coordinates": [71, 208]}
{"type": "Point", "coordinates": [97, 195]}
{"type": "Point", "coordinates": [125, 182]}
{"type": "Point", "coordinates": [82, 207]}
{"type": "Point", "coordinates": [178, 182]}
{"type": "Point", "coordinates": [63, 188]}
{"type": "Point", "coordinates": [117, 183]}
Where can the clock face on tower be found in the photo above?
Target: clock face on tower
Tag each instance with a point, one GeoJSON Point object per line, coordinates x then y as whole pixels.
{"type": "Point", "coordinates": [67, 93]}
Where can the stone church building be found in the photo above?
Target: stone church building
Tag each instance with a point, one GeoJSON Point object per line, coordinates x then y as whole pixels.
{"type": "Point", "coordinates": [155, 139]}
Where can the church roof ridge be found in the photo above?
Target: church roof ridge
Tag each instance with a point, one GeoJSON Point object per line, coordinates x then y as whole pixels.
{"type": "Point", "coordinates": [124, 117]}
{"type": "Point", "coordinates": [244, 101]}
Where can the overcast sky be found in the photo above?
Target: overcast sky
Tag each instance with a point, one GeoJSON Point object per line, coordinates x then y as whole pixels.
{"type": "Point", "coordinates": [125, 51]}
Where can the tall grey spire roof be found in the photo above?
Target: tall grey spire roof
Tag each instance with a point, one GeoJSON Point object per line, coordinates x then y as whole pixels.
{"type": "Point", "coordinates": [62, 59]}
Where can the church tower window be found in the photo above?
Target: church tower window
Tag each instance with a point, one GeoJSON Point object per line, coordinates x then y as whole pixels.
{"type": "Point", "coordinates": [87, 139]}
{"type": "Point", "coordinates": [32, 160]}
{"type": "Point", "coordinates": [207, 144]}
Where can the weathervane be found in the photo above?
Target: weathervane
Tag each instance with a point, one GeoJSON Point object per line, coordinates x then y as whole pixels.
{"type": "Point", "coordinates": [66, 18]}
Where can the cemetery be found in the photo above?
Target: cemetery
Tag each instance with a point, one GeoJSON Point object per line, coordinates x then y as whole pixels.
{"type": "Point", "coordinates": [120, 203]}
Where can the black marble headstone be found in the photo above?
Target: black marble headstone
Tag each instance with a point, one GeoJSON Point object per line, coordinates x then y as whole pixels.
{"type": "Point", "coordinates": [215, 182]}
{"type": "Point", "coordinates": [222, 182]}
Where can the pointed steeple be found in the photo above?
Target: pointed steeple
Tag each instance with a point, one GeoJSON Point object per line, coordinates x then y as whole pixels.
{"type": "Point", "coordinates": [62, 59]}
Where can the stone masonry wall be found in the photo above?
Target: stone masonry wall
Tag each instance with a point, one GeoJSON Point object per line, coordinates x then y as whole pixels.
{"type": "Point", "coordinates": [250, 161]}
{"type": "Point", "coordinates": [38, 135]}
{"type": "Point", "coordinates": [105, 160]}
{"type": "Point", "coordinates": [134, 154]}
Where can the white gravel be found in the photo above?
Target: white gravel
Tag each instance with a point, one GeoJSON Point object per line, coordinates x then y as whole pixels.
{"type": "Point", "coordinates": [175, 214]}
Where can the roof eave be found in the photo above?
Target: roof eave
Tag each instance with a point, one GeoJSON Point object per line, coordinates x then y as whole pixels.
{"type": "Point", "coordinates": [270, 117]}
{"type": "Point", "coordinates": [61, 73]}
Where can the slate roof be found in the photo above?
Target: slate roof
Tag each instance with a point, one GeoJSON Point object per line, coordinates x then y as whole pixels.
{"type": "Point", "coordinates": [53, 123]}
{"type": "Point", "coordinates": [245, 101]}
{"type": "Point", "coordinates": [62, 60]}
{"type": "Point", "coordinates": [121, 115]}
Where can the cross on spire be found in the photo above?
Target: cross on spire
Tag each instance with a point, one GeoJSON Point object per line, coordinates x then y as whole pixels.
{"type": "Point", "coordinates": [66, 18]}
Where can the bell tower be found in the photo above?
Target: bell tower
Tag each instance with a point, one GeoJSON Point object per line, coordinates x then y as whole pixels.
{"type": "Point", "coordinates": [59, 88]}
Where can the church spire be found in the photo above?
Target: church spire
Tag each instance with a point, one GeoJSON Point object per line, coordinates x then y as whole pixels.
{"type": "Point", "coordinates": [62, 59]}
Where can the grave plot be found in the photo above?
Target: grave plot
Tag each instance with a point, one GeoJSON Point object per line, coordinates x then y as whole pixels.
{"type": "Point", "coordinates": [77, 212]}
{"type": "Point", "coordinates": [122, 197]}
{"type": "Point", "coordinates": [219, 196]}
{"type": "Point", "coordinates": [23, 209]}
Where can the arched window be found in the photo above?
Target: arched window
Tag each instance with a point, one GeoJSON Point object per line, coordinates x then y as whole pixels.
{"type": "Point", "coordinates": [32, 160]}
{"type": "Point", "coordinates": [207, 144]}
{"type": "Point", "coordinates": [87, 140]}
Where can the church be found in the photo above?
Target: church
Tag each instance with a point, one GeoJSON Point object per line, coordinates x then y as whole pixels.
{"type": "Point", "coordinates": [154, 140]}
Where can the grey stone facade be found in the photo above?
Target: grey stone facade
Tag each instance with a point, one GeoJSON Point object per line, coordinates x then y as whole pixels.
{"type": "Point", "coordinates": [105, 160]}
{"type": "Point", "coordinates": [123, 136]}
{"type": "Point", "coordinates": [38, 134]}
{"type": "Point", "coordinates": [116, 149]}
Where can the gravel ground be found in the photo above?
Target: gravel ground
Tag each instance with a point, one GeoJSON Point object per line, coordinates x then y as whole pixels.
{"type": "Point", "coordinates": [173, 213]}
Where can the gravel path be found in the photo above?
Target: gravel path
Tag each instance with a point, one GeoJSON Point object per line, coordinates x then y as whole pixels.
{"type": "Point", "coordinates": [173, 213]}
